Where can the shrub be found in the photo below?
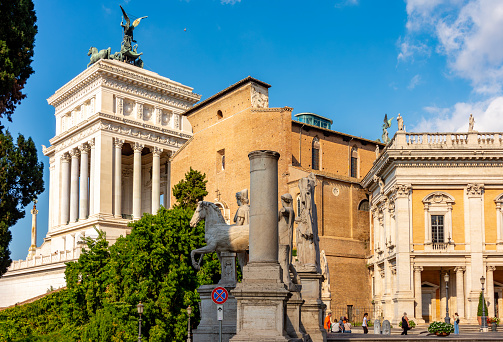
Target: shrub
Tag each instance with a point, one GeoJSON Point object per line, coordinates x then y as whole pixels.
{"type": "Point", "coordinates": [411, 323]}
{"type": "Point", "coordinates": [440, 327]}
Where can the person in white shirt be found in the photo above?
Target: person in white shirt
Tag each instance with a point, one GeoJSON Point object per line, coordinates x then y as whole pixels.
{"type": "Point", "coordinates": [365, 324]}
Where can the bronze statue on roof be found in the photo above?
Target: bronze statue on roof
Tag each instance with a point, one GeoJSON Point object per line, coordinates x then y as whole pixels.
{"type": "Point", "coordinates": [128, 52]}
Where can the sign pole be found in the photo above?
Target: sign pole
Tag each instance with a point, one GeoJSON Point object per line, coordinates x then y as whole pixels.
{"type": "Point", "coordinates": [220, 323]}
{"type": "Point", "coordinates": [219, 296]}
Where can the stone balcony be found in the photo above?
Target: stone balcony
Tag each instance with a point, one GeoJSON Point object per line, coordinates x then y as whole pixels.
{"type": "Point", "coordinates": [39, 260]}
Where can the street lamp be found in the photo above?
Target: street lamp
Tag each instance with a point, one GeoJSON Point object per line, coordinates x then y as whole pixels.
{"type": "Point", "coordinates": [446, 279]}
{"type": "Point", "coordinates": [140, 311]}
{"type": "Point", "coordinates": [189, 311]}
{"type": "Point", "coordinates": [483, 325]}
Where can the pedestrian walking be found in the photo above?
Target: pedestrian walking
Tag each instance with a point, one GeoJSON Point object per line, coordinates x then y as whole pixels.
{"type": "Point", "coordinates": [328, 322]}
{"type": "Point", "coordinates": [456, 324]}
{"type": "Point", "coordinates": [365, 324]}
{"type": "Point", "coordinates": [405, 324]}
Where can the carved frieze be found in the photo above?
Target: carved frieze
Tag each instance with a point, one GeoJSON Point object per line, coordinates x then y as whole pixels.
{"type": "Point", "coordinates": [259, 96]}
{"type": "Point", "coordinates": [119, 105]}
{"type": "Point", "coordinates": [139, 111]}
{"type": "Point", "coordinates": [474, 189]}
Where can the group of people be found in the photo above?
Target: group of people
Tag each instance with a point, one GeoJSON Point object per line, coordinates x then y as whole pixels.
{"type": "Point", "coordinates": [343, 325]}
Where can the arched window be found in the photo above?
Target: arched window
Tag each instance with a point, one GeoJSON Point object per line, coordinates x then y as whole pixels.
{"type": "Point", "coordinates": [354, 162]}
{"type": "Point", "coordinates": [364, 205]}
{"type": "Point", "coordinates": [316, 154]}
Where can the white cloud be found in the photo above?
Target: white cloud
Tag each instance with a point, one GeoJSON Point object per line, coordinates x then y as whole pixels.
{"type": "Point", "coordinates": [487, 116]}
{"type": "Point", "coordinates": [468, 32]}
{"type": "Point", "coordinates": [344, 3]}
{"type": "Point", "coordinates": [229, 2]}
{"type": "Point", "coordinates": [414, 82]}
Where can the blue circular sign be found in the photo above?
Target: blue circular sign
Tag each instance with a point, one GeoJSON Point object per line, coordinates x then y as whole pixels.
{"type": "Point", "coordinates": [219, 295]}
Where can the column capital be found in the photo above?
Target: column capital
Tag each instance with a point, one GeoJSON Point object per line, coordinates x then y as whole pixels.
{"type": "Point", "coordinates": [91, 143]}
{"type": "Point", "coordinates": [156, 151]}
{"type": "Point", "coordinates": [137, 147]}
{"type": "Point", "coordinates": [65, 158]}
{"type": "Point", "coordinates": [84, 148]}
{"type": "Point", "coordinates": [491, 268]}
{"type": "Point", "coordinates": [459, 269]}
{"type": "Point", "coordinates": [474, 190]}
{"type": "Point", "coordinates": [402, 190]}
{"type": "Point", "coordinates": [418, 268]}
{"type": "Point", "coordinates": [74, 152]}
{"type": "Point", "coordinates": [118, 142]}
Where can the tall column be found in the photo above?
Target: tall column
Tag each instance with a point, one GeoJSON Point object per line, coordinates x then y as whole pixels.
{"type": "Point", "coordinates": [261, 296]}
{"type": "Point", "coordinates": [460, 291]}
{"type": "Point", "coordinates": [74, 186]}
{"type": "Point", "coordinates": [156, 179]}
{"type": "Point", "coordinates": [91, 177]}
{"type": "Point", "coordinates": [418, 296]}
{"type": "Point", "coordinates": [118, 178]}
{"type": "Point", "coordinates": [167, 194]}
{"type": "Point", "coordinates": [84, 175]}
{"type": "Point", "coordinates": [264, 210]}
{"type": "Point", "coordinates": [65, 188]}
{"type": "Point", "coordinates": [33, 246]}
{"type": "Point", "coordinates": [137, 147]}
{"type": "Point", "coordinates": [490, 290]}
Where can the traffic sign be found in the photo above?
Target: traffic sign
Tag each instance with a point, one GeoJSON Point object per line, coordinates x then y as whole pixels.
{"type": "Point", "coordinates": [219, 295]}
{"type": "Point", "coordinates": [220, 312]}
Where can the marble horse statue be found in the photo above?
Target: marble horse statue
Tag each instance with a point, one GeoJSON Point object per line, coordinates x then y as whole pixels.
{"type": "Point", "coordinates": [219, 236]}
{"type": "Point", "coordinates": [97, 55]}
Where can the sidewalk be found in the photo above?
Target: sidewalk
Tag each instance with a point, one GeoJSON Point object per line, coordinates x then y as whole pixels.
{"type": "Point", "coordinates": [418, 335]}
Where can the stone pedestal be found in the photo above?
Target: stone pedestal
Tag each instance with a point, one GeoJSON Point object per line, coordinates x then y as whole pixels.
{"type": "Point", "coordinates": [294, 328]}
{"type": "Point", "coordinates": [228, 267]}
{"type": "Point", "coordinates": [208, 328]}
{"type": "Point", "coordinates": [313, 307]}
{"type": "Point", "coordinates": [261, 304]}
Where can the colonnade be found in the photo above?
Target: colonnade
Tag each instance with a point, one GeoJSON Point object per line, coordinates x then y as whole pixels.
{"type": "Point", "coordinates": [78, 179]}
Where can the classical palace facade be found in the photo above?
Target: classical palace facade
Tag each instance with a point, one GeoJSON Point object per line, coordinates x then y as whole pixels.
{"type": "Point", "coordinates": [436, 225]}
{"type": "Point", "coordinates": [116, 127]}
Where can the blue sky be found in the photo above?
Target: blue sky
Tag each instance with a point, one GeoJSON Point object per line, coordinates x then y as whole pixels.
{"type": "Point", "coordinates": [435, 62]}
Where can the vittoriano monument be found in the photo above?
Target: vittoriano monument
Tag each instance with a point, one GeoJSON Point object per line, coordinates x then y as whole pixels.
{"type": "Point", "coordinates": [128, 52]}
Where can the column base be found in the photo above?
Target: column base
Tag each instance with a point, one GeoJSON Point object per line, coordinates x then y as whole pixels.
{"type": "Point", "coordinates": [294, 327]}
{"type": "Point", "coordinates": [261, 302]}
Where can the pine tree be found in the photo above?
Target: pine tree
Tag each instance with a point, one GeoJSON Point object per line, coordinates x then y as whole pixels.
{"type": "Point", "coordinates": [189, 191]}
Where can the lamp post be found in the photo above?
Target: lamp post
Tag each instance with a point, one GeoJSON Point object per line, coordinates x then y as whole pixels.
{"type": "Point", "coordinates": [189, 311]}
{"type": "Point", "coordinates": [446, 279]}
{"type": "Point", "coordinates": [483, 325]}
{"type": "Point", "coordinates": [140, 311]}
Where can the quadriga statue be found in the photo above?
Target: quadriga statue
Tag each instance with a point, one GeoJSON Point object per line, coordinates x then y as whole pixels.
{"type": "Point", "coordinates": [219, 236]}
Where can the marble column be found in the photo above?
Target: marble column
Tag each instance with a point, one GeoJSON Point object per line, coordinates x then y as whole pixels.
{"type": "Point", "coordinates": [74, 186]}
{"type": "Point", "coordinates": [418, 295]}
{"type": "Point", "coordinates": [91, 176]}
{"type": "Point", "coordinates": [460, 291]}
{"type": "Point", "coordinates": [118, 178]}
{"type": "Point", "coordinates": [490, 290]}
{"type": "Point", "coordinates": [84, 177]}
{"type": "Point", "coordinates": [156, 179]}
{"type": "Point", "coordinates": [33, 246]}
{"type": "Point", "coordinates": [167, 193]}
{"type": "Point", "coordinates": [261, 296]}
{"type": "Point", "coordinates": [137, 147]}
{"type": "Point", "coordinates": [65, 188]}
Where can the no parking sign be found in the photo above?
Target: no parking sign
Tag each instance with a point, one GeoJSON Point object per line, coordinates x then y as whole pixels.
{"type": "Point", "coordinates": [219, 295]}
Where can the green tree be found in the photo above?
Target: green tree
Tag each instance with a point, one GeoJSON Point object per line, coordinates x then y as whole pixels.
{"type": "Point", "coordinates": [20, 182]}
{"type": "Point", "coordinates": [482, 300]}
{"type": "Point", "coordinates": [17, 38]}
{"type": "Point", "coordinates": [189, 191]}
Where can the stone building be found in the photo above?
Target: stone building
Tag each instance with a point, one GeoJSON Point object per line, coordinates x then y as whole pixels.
{"type": "Point", "coordinates": [436, 210]}
{"type": "Point", "coordinates": [117, 125]}
{"type": "Point", "coordinates": [238, 120]}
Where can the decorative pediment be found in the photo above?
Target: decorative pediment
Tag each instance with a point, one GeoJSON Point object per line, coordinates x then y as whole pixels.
{"type": "Point", "coordinates": [438, 197]}
{"type": "Point", "coordinates": [499, 198]}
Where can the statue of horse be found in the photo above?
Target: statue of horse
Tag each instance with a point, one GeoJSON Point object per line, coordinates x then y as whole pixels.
{"type": "Point", "coordinates": [219, 236]}
{"type": "Point", "coordinates": [97, 55]}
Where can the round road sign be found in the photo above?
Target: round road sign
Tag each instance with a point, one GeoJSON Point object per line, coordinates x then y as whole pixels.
{"type": "Point", "coordinates": [219, 295]}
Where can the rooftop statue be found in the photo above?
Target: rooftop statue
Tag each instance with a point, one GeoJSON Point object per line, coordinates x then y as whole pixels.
{"type": "Point", "coordinates": [385, 126]}
{"type": "Point", "coordinates": [128, 52]}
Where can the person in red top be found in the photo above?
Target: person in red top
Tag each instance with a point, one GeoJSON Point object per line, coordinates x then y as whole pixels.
{"type": "Point", "coordinates": [328, 322]}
